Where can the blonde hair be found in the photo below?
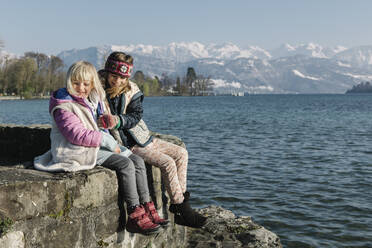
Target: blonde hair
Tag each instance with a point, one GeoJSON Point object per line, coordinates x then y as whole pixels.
{"type": "Point", "coordinates": [85, 71]}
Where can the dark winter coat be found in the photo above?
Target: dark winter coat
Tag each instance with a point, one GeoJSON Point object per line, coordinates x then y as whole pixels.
{"type": "Point", "coordinates": [129, 108]}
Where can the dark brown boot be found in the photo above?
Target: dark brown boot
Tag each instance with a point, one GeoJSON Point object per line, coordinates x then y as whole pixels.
{"type": "Point", "coordinates": [186, 216]}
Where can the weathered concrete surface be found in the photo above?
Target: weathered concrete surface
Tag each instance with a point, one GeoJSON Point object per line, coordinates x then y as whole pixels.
{"type": "Point", "coordinates": [224, 229]}
{"type": "Point", "coordinates": [82, 209]}
{"type": "Point", "coordinates": [73, 210]}
{"type": "Point", "coordinates": [33, 193]}
{"type": "Point", "coordinates": [13, 239]}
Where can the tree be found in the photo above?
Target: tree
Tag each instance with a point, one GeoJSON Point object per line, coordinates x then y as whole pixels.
{"type": "Point", "coordinates": [146, 89]}
{"type": "Point", "coordinates": [40, 58]}
{"type": "Point", "coordinates": [202, 86]}
{"type": "Point", "coordinates": [4, 82]}
{"type": "Point", "coordinates": [190, 75]}
{"type": "Point", "coordinates": [190, 78]}
{"type": "Point", "coordinates": [30, 70]}
{"type": "Point", "coordinates": [139, 77]}
{"type": "Point", "coordinates": [1, 69]}
{"type": "Point", "coordinates": [21, 75]}
{"type": "Point", "coordinates": [363, 87]}
{"type": "Point", "coordinates": [42, 61]}
{"type": "Point", "coordinates": [166, 82]}
{"type": "Point", "coordinates": [177, 88]}
{"type": "Point", "coordinates": [55, 67]}
{"type": "Point", "coordinates": [33, 74]}
{"type": "Point", "coordinates": [154, 86]}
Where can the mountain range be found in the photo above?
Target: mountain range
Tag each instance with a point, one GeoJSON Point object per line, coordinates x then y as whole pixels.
{"type": "Point", "coordinates": [303, 68]}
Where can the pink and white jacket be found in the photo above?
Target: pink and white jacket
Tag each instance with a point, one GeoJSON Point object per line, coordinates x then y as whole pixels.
{"type": "Point", "coordinates": [69, 124]}
{"type": "Point", "coordinates": [75, 136]}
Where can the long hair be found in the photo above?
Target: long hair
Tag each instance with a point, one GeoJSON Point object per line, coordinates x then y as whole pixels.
{"type": "Point", "coordinates": [125, 87]}
{"type": "Point", "coordinates": [85, 71]}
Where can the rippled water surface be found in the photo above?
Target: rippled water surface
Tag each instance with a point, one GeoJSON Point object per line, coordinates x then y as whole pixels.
{"type": "Point", "coordinates": [300, 165]}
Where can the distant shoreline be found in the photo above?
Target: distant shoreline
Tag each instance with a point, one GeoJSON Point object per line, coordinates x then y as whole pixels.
{"type": "Point", "coordinates": [19, 98]}
{"type": "Point", "coordinates": [10, 98]}
{"type": "Point", "coordinates": [47, 97]}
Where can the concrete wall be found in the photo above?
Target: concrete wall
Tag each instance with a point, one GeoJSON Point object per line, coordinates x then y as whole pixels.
{"type": "Point", "coordinates": [23, 143]}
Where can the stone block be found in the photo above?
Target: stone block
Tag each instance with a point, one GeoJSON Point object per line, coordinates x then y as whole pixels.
{"type": "Point", "coordinates": [13, 240]}
{"type": "Point", "coordinates": [25, 193]}
{"type": "Point", "coordinates": [96, 187]}
{"type": "Point", "coordinates": [47, 232]}
{"type": "Point", "coordinates": [224, 229]}
{"type": "Point", "coordinates": [108, 222]}
{"type": "Point", "coordinates": [28, 193]}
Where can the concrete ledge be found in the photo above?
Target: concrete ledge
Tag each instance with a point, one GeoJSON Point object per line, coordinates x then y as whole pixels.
{"type": "Point", "coordinates": [36, 193]}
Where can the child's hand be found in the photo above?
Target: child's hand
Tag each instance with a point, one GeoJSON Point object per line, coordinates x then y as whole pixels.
{"type": "Point", "coordinates": [117, 150]}
{"type": "Point", "coordinates": [108, 121]}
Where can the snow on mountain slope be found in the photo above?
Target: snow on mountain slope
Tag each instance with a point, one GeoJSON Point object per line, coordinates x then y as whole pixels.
{"type": "Point", "coordinates": [306, 68]}
{"type": "Point", "coordinates": [357, 56]}
{"type": "Point", "coordinates": [183, 51]}
{"type": "Point", "coordinates": [297, 73]}
{"type": "Point", "coordinates": [309, 49]}
{"type": "Point", "coordinates": [95, 55]}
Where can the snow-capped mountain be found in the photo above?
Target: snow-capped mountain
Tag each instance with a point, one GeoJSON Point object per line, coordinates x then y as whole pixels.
{"type": "Point", "coordinates": [305, 68]}
{"type": "Point", "coordinates": [181, 52]}
{"type": "Point", "coordinates": [293, 74]}
{"type": "Point", "coordinates": [357, 56]}
{"type": "Point", "coordinates": [95, 55]}
{"type": "Point", "coordinates": [309, 49]}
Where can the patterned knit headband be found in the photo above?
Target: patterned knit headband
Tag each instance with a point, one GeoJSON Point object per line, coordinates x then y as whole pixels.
{"type": "Point", "coordinates": [121, 68]}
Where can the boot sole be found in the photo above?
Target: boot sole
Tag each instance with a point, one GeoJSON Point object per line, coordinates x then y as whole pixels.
{"type": "Point", "coordinates": [181, 221]}
{"type": "Point", "coordinates": [165, 224]}
{"type": "Point", "coordinates": [147, 232]}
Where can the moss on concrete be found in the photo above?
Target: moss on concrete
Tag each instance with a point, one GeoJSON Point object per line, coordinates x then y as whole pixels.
{"type": "Point", "coordinates": [102, 243]}
{"type": "Point", "coordinates": [66, 208]}
{"type": "Point", "coordinates": [5, 225]}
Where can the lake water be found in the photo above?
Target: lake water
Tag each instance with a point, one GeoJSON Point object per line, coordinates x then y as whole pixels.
{"type": "Point", "coordinates": [300, 165]}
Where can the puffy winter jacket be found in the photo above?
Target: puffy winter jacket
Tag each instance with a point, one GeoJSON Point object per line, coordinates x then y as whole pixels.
{"type": "Point", "coordinates": [75, 136]}
{"type": "Point", "coordinates": [129, 108]}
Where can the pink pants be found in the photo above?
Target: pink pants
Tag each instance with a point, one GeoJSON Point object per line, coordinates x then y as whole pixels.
{"type": "Point", "coordinates": [172, 161]}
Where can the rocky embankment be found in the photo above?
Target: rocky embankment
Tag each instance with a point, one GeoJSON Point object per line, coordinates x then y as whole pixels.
{"type": "Point", "coordinates": [82, 209]}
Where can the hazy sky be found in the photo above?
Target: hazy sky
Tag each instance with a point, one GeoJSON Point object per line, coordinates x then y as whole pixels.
{"type": "Point", "coordinates": [53, 26]}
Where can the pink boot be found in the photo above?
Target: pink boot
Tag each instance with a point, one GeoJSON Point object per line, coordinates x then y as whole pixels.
{"type": "Point", "coordinates": [153, 214]}
{"type": "Point", "coordinates": [139, 222]}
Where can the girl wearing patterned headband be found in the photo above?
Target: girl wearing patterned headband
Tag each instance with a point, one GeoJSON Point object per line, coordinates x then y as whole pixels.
{"type": "Point", "coordinates": [125, 101]}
